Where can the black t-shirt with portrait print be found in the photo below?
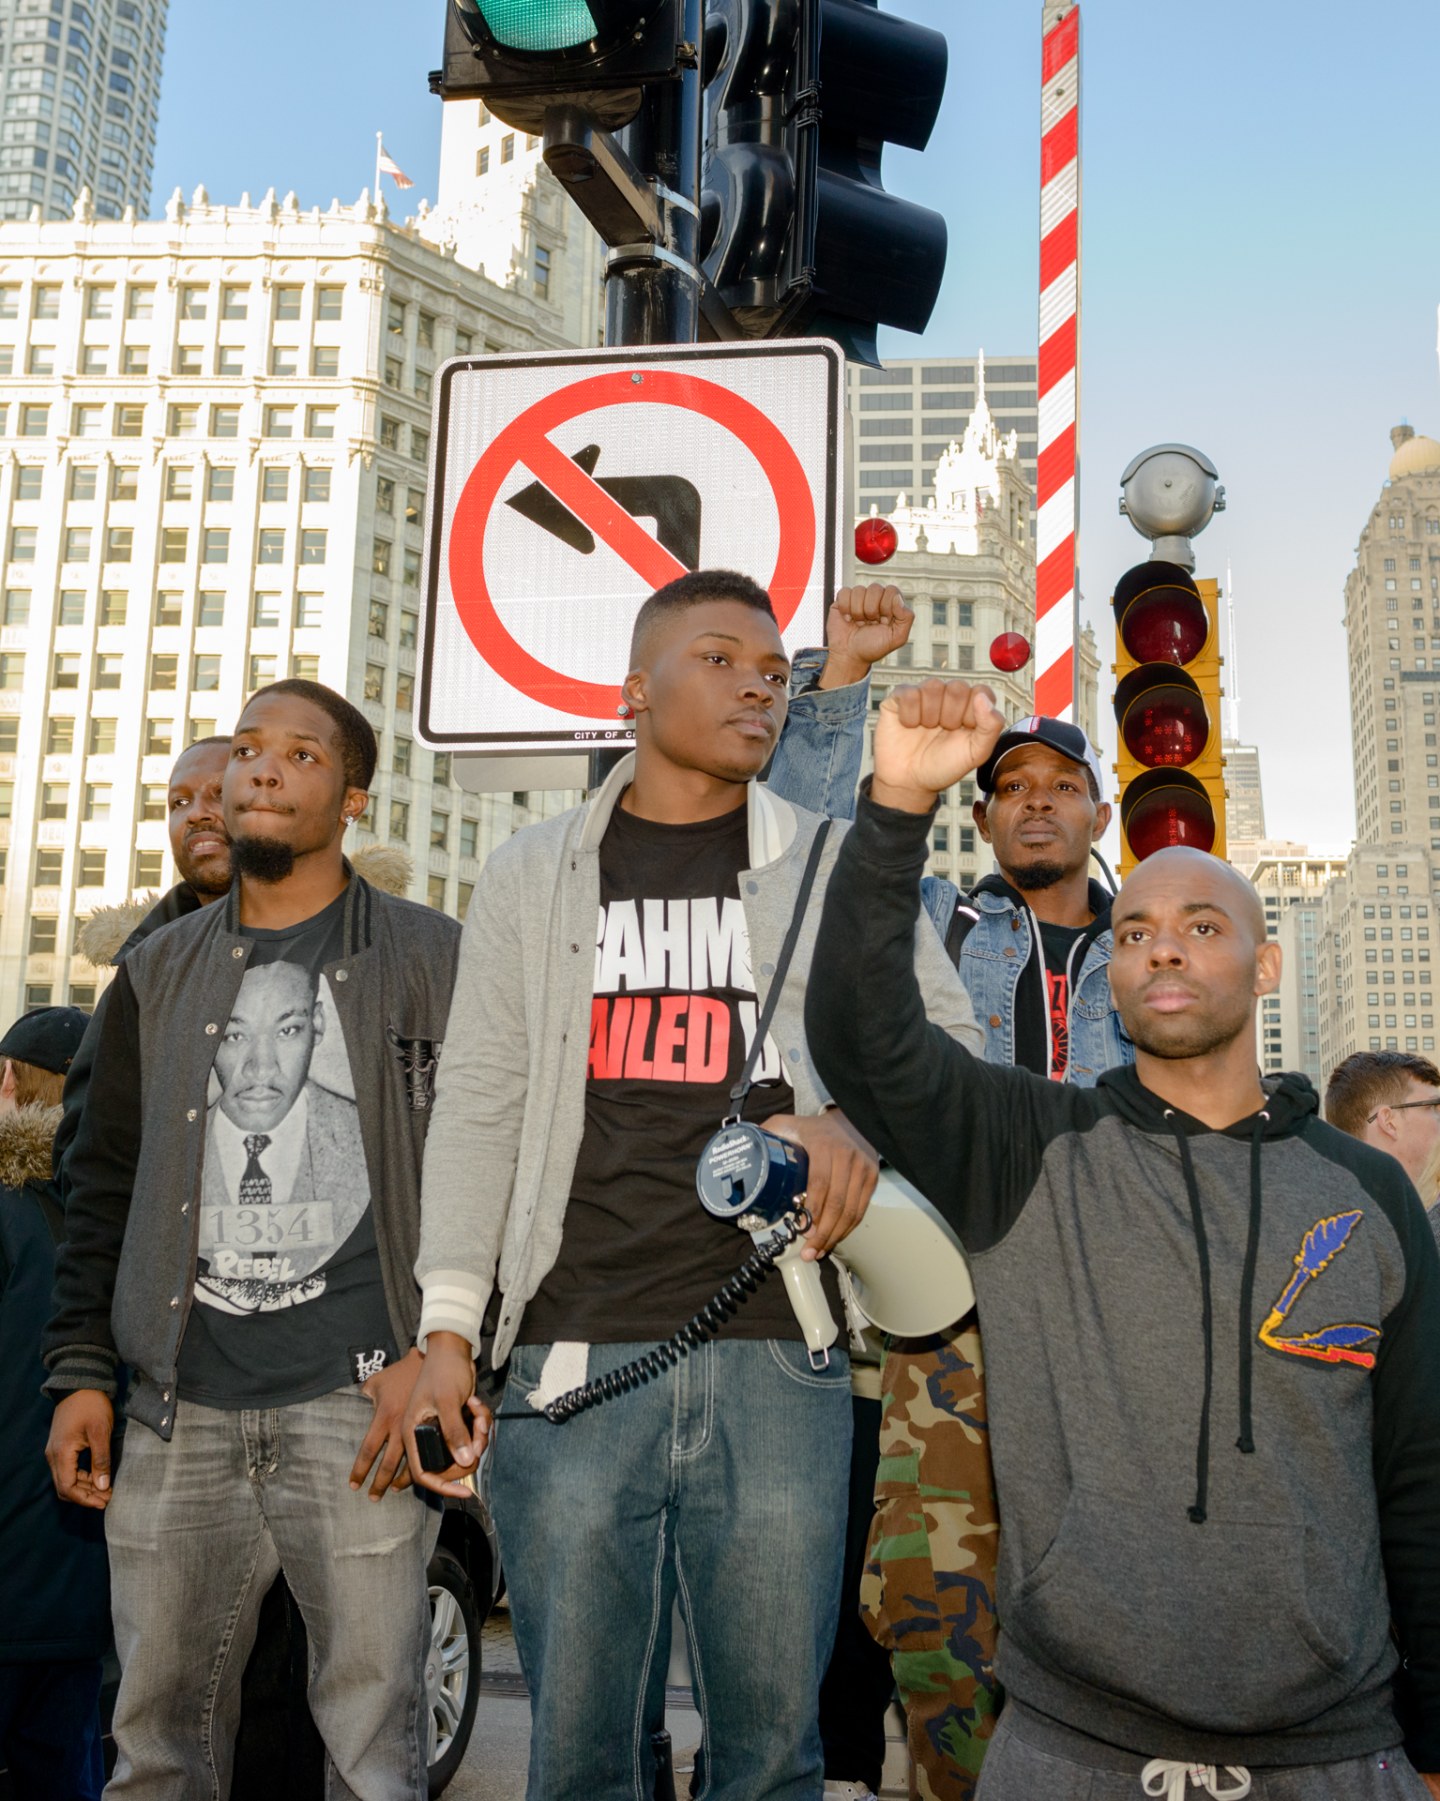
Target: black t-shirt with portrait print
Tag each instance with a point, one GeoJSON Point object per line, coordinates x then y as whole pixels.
{"type": "Point", "coordinates": [672, 1020]}
{"type": "Point", "coordinates": [289, 1300]}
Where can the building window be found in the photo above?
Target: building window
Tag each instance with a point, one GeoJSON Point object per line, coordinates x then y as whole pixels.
{"type": "Point", "coordinates": [192, 302]}
{"type": "Point", "coordinates": [140, 303]}
{"type": "Point", "coordinates": [309, 610]}
{"type": "Point", "coordinates": [325, 362]}
{"type": "Point", "coordinates": [463, 891]}
{"type": "Point", "coordinates": [87, 421]}
{"type": "Point", "coordinates": [153, 801]}
{"type": "Point", "coordinates": [220, 484]}
{"type": "Point", "coordinates": [469, 837]}
{"type": "Point", "coordinates": [12, 670]}
{"type": "Point", "coordinates": [262, 673]}
{"type": "Point", "coordinates": [184, 421]}
{"type": "Point", "coordinates": [425, 329]}
{"type": "Point", "coordinates": [404, 692]}
{"type": "Point", "coordinates": [374, 688]}
{"type": "Point", "coordinates": [389, 433]}
{"type": "Point", "coordinates": [224, 422]}
{"type": "Point", "coordinates": [164, 673]}
{"type": "Point", "coordinates": [279, 422]}
{"type": "Point", "coordinates": [234, 303]}
{"type": "Point", "coordinates": [30, 483]}
{"type": "Point", "coordinates": [439, 831]}
{"type": "Point", "coordinates": [59, 735]}
{"type": "Point", "coordinates": [316, 486]}
{"type": "Point", "coordinates": [159, 737]}
{"type": "Point", "coordinates": [384, 495]}
{"type": "Point", "coordinates": [482, 160]}
{"type": "Point", "coordinates": [435, 891]}
{"type": "Point", "coordinates": [211, 609]}
{"type": "Point", "coordinates": [419, 444]}
{"type": "Point", "coordinates": [135, 360]}
{"type": "Point", "coordinates": [410, 574]}
{"type": "Point", "coordinates": [54, 800]}
{"type": "Point", "coordinates": [409, 628]}
{"type": "Point", "coordinates": [399, 819]}
{"type": "Point", "coordinates": [34, 421]}
{"type": "Point", "coordinates": [380, 556]}
{"type": "Point", "coordinates": [99, 302]}
{"type": "Point", "coordinates": [97, 803]}
{"type": "Point", "coordinates": [414, 505]}
{"type": "Point", "coordinates": [395, 318]}
{"type": "Point", "coordinates": [188, 359]}
{"type": "Point", "coordinates": [89, 873]}
{"type": "Point", "coordinates": [271, 547]}
{"type": "Point", "coordinates": [47, 303]}
{"type": "Point", "coordinates": [179, 481]}
{"type": "Point", "coordinates": [282, 359]}
{"type": "Point", "coordinates": [329, 303]}
{"type": "Point", "coordinates": [265, 609]}
{"type": "Point", "coordinates": [542, 272]}
{"type": "Point", "coordinates": [22, 543]}
{"type": "Point", "coordinates": [118, 541]}
{"type": "Point", "coordinates": [400, 762]}
{"type": "Point", "coordinates": [129, 421]}
{"type": "Point", "coordinates": [205, 674]}
{"type": "Point", "coordinates": [114, 602]}
{"type": "Point", "coordinates": [379, 619]}
{"type": "Point", "coordinates": [77, 544]}
{"type": "Point", "coordinates": [124, 482]}
{"type": "Point", "coordinates": [507, 147]}
{"type": "Point", "coordinates": [148, 867]}
{"type": "Point", "coordinates": [44, 929]}
{"type": "Point", "coordinates": [108, 670]}
{"type": "Point", "coordinates": [174, 544]}
{"type": "Point", "coordinates": [48, 864]}
{"type": "Point", "coordinates": [215, 545]}
{"type": "Point", "coordinates": [65, 671]}
{"type": "Point", "coordinates": [320, 421]}
{"type": "Point", "coordinates": [287, 302]}
{"type": "Point", "coordinates": [305, 669]}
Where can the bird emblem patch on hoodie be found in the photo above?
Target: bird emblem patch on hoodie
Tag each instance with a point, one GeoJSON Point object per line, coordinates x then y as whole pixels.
{"type": "Point", "coordinates": [1331, 1344]}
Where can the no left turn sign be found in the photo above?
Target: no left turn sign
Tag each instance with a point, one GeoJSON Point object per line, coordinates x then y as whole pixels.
{"type": "Point", "coordinates": [567, 488]}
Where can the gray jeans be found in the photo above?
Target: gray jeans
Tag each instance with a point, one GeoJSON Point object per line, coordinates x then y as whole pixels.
{"type": "Point", "coordinates": [1034, 1759]}
{"type": "Point", "coordinates": [196, 1532]}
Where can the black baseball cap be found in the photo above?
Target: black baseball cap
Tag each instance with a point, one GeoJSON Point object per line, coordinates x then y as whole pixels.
{"type": "Point", "coordinates": [1059, 734]}
{"type": "Point", "coordinates": [48, 1038]}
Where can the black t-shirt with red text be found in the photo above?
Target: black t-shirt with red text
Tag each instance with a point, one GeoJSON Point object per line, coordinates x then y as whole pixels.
{"type": "Point", "coordinates": [672, 1021]}
{"type": "Point", "coordinates": [1057, 943]}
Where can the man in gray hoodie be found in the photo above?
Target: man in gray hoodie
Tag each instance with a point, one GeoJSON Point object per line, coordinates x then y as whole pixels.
{"type": "Point", "coordinates": [1212, 1326]}
{"type": "Point", "coordinates": [612, 969]}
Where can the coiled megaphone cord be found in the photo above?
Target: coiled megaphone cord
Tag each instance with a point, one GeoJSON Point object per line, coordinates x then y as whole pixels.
{"type": "Point", "coordinates": [699, 1328]}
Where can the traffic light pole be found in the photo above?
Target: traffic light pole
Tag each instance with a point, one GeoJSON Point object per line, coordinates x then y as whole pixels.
{"type": "Point", "coordinates": [653, 286]}
{"type": "Point", "coordinates": [652, 289]}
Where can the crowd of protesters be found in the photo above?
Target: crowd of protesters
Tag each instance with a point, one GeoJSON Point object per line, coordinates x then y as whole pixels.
{"type": "Point", "coordinates": [1159, 1516]}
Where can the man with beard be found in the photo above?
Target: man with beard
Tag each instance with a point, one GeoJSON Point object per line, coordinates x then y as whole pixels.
{"type": "Point", "coordinates": [1212, 1341]}
{"type": "Point", "coordinates": [255, 1391]}
{"type": "Point", "coordinates": [1032, 944]}
{"type": "Point", "coordinates": [1391, 1099]}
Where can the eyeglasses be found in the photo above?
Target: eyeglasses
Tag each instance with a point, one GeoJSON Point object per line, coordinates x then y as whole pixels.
{"type": "Point", "coordinates": [1399, 1107]}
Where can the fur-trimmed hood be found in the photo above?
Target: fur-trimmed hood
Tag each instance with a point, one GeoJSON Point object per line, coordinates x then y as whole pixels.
{"type": "Point", "coordinates": [26, 1138]}
{"type": "Point", "coordinates": [108, 929]}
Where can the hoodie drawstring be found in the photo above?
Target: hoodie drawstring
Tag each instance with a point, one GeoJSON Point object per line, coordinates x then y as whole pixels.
{"type": "Point", "coordinates": [1207, 1321]}
{"type": "Point", "coordinates": [1246, 1440]}
{"type": "Point", "coordinates": [1169, 1779]}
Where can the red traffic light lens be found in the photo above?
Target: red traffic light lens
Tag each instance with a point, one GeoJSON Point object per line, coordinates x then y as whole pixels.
{"type": "Point", "coordinates": [1166, 727]}
{"type": "Point", "coordinates": [1161, 616]}
{"type": "Point", "coordinates": [1010, 651]}
{"type": "Point", "coordinates": [1165, 816]}
{"type": "Point", "coordinates": [876, 540]}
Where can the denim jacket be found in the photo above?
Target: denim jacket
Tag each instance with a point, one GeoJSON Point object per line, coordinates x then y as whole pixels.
{"type": "Point", "coordinates": [998, 947]}
{"type": "Point", "coordinates": [816, 764]}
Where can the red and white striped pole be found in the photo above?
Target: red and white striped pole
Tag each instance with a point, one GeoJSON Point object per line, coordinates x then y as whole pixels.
{"type": "Point", "coordinates": [1058, 485]}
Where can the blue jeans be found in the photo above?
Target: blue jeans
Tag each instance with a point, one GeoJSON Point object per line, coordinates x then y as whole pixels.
{"type": "Point", "coordinates": [50, 1730]}
{"type": "Point", "coordinates": [197, 1532]}
{"type": "Point", "coordinates": [725, 1481]}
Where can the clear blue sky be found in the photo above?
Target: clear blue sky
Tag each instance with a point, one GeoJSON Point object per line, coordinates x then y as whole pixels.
{"type": "Point", "coordinates": [1261, 264]}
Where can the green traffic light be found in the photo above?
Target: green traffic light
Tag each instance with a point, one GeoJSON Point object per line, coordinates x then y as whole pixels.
{"type": "Point", "coordinates": [537, 25]}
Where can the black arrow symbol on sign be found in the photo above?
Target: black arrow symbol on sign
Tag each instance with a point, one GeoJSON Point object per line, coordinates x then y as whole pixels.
{"type": "Point", "coordinates": [671, 501]}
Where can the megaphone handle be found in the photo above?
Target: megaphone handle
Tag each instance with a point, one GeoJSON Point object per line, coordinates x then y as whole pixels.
{"type": "Point", "coordinates": [807, 1297]}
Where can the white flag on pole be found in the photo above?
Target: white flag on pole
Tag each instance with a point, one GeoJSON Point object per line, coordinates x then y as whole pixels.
{"type": "Point", "coordinates": [388, 166]}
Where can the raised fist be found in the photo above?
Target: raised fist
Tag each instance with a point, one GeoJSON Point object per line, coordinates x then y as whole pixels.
{"type": "Point", "coordinates": [864, 625]}
{"type": "Point", "coordinates": [930, 736]}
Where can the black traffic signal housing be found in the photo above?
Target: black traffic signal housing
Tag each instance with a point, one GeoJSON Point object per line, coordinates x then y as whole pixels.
{"type": "Point", "coordinates": [1167, 708]}
{"type": "Point", "coordinates": [522, 56]}
{"type": "Point", "coordinates": [798, 235]}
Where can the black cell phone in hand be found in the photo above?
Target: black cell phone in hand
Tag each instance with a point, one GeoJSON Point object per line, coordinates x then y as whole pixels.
{"type": "Point", "coordinates": [430, 1442]}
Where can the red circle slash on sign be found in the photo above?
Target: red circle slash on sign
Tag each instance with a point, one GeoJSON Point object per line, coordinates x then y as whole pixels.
{"type": "Point", "coordinates": [526, 441]}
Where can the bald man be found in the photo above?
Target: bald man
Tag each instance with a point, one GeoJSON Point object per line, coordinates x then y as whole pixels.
{"type": "Point", "coordinates": [1212, 1328]}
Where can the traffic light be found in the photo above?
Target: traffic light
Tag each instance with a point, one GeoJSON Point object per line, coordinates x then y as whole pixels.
{"type": "Point", "coordinates": [1167, 707]}
{"type": "Point", "coordinates": [520, 56]}
{"type": "Point", "coordinates": [798, 234]}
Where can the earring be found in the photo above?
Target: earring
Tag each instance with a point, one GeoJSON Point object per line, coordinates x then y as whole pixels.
{"type": "Point", "coordinates": [623, 710]}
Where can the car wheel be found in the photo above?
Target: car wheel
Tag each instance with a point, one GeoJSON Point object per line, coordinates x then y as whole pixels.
{"type": "Point", "coordinates": [452, 1667]}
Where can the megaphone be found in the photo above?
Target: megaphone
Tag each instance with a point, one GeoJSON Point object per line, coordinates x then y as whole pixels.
{"type": "Point", "coordinates": [907, 1268]}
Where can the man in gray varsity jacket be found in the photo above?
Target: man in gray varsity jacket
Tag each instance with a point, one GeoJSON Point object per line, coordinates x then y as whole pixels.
{"type": "Point", "coordinates": [604, 1008]}
{"type": "Point", "coordinates": [242, 1222]}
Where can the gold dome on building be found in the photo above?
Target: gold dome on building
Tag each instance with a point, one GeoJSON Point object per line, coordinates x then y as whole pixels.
{"type": "Point", "coordinates": [1413, 455]}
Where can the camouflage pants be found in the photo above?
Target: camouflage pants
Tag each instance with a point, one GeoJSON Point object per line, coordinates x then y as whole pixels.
{"type": "Point", "coordinates": [928, 1592]}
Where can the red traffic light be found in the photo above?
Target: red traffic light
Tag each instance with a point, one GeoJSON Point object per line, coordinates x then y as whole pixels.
{"type": "Point", "coordinates": [876, 540]}
{"type": "Point", "coordinates": [1010, 651]}
{"type": "Point", "coordinates": [1159, 614]}
{"type": "Point", "coordinates": [1163, 719]}
{"type": "Point", "coordinates": [1165, 809]}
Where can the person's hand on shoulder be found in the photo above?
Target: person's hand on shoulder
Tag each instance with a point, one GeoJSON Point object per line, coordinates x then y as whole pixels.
{"type": "Point", "coordinates": [843, 1173]}
{"type": "Point", "coordinates": [83, 1421]}
{"type": "Point", "coordinates": [930, 736]}
{"type": "Point", "coordinates": [445, 1393]}
{"type": "Point", "coordinates": [864, 625]}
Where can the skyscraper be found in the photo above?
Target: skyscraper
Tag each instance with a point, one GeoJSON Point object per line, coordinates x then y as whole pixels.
{"type": "Point", "coordinates": [79, 93]}
{"type": "Point", "coordinates": [1377, 935]}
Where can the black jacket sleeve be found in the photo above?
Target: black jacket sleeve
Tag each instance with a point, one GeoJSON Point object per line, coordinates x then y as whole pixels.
{"type": "Point", "coordinates": [77, 1088]}
{"type": "Point", "coordinates": [970, 1135]}
{"type": "Point", "coordinates": [79, 1346]}
{"type": "Point", "coordinates": [1407, 1465]}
